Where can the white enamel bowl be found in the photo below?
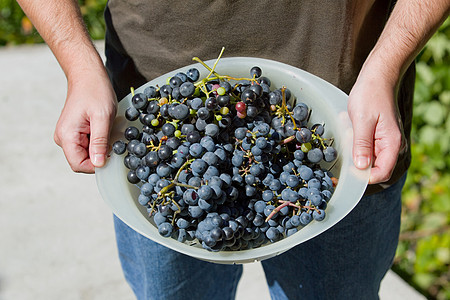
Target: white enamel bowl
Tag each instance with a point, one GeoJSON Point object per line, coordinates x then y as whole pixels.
{"type": "Point", "coordinates": [329, 106]}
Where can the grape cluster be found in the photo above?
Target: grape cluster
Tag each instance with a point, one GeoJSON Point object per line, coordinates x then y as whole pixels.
{"type": "Point", "coordinates": [227, 162]}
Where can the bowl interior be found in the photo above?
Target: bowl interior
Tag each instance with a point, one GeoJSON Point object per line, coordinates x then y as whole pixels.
{"type": "Point", "coordinates": [328, 106]}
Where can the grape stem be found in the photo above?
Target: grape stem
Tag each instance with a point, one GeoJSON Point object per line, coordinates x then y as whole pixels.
{"type": "Point", "coordinates": [277, 209]}
{"type": "Point", "coordinates": [175, 182]}
{"type": "Point", "coordinates": [283, 96]}
{"type": "Point", "coordinates": [287, 140]}
{"type": "Point", "coordinates": [152, 208]}
{"type": "Point", "coordinates": [176, 212]}
{"type": "Point", "coordinates": [215, 63]}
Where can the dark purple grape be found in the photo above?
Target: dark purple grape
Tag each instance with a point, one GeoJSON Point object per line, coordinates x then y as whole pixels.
{"type": "Point", "coordinates": [211, 103]}
{"type": "Point", "coordinates": [203, 113]}
{"type": "Point", "coordinates": [264, 80]}
{"type": "Point", "coordinates": [152, 107]}
{"type": "Point", "coordinates": [182, 76]}
{"type": "Point", "coordinates": [212, 130]}
{"type": "Point", "coordinates": [315, 155]}
{"type": "Point", "coordinates": [304, 135]}
{"type": "Point", "coordinates": [187, 89]}
{"type": "Point", "coordinates": [223, 100]}
{"type": "Point", "coordinates": [200, 124]}
{"type": "Point", "coordinates": [186, 128]}
{"type": "Point", "coordinates": [165, 229]}
{"type": "Point", "coordinates": [132, 177]}
{"type": "Point", "coordinates": [147, 119]}
{"type": "Point", "coordinates": [164, 152]}
{"type": "Point", "coordinates": [175, 82]}
{"type": "Point", "coordinates": [300, 112]}
{"type": "Point", "coordinates": [318, 129]}
{"type": "Point", "coordinates": [193, 74]}
{"type": "Point", "coordinates": [252, 111]}
{"type": "Point", "coordinates": [150, 92]}
{"type": "Point", "coordinates": [193, 137]}
{"type": "Point", "coordinates": [248, 95]}
{"type": "Point", "coordinates": [139, 101]}
{"type": "Point", "coordinates": [330, 154]}
{"type": "Point", "coordinates": [131, 113]}
{"type": "Point", "coordinates": [257, 89]}
{"type": "Point", "coordinates": [168, 129]}
{"type": "Point", "coordinates": [164, 110]}
{"type": "Point", "coordinates": [140, 150]}
{"type": "Point", "coordinates": [176, 93]}
{"type": "Point", "coordinates": [255, 72]}
{"type": "Point", "coordinates": [119, 147]}
{"type": "Point", "coordinates": [173, 142]}
{"type": "Point", "coordinates": [275, 98]}
{"type": "Point", "coordinates": [152, 159]}
{"type": "Point", "coordinates": [131, 133]}
{"type": "Point", "coordinates": [165, 91]}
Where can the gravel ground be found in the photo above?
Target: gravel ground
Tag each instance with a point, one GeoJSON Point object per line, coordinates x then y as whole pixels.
{"type": "Point", "coordinates": [57, 239]}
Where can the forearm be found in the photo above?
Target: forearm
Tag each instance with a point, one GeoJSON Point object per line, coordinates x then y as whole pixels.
{"type": "Point", "coordinates": [61, 26]}
{"type": "Point", "coordinates": [409, 27]}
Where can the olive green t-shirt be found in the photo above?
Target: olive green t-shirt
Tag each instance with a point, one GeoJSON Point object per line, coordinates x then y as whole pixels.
{"type": "Point", "coordinates": [328, 38]}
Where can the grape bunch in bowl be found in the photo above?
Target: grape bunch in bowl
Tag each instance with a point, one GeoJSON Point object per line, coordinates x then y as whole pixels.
{"type": "Point", "coordinates": [229, 163]}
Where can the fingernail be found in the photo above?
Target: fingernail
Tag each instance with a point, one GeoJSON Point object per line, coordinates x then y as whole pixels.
{"type": "Point", "coordinates": [362, 162]}
{"type": "Point", "coordinates": [99, 160]}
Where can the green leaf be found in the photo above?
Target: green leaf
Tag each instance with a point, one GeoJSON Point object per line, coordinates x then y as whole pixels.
{"type": "Point", "coordinates": [444, 97]}
{"type": "Point", "coordinates": [429, 134]}
{"type": "Point", "coordinates": [435, 113]}
{"type": "Point", "coordinates": [443, 255]}
{"type": "Point", "coordinates": [424, 280]}
{"type": "Point", "coordinates": [424, 73]}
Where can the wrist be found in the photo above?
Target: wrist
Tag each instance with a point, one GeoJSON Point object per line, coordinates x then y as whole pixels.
{"type": "Point", "coordinates": [84, 62]}
{"type": "Point", "coordinates": [377, 70]}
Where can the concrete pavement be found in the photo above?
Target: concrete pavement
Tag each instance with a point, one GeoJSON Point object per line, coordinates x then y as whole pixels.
{"type": "Point", "coordinates": [56, 236]}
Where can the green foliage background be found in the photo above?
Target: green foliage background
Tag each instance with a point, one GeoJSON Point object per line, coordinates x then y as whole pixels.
{"type": "Point", "coordinates": [423, 255]}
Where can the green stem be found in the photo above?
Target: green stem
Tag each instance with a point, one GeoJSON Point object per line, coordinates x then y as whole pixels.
{"type": "Point", "coordinates": [215, 64]}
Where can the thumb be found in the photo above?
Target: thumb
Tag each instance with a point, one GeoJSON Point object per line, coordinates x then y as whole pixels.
{"type": "Point", "coordinates": [363, 140]}
{"type": "Point", "coordinates": [98, 144]}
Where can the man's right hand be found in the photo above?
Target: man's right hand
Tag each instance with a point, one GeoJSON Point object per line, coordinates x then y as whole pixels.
{"type": "Point", "coordinates": [86, 119]}
{"type": "Point", "coordinates": [85, 122]}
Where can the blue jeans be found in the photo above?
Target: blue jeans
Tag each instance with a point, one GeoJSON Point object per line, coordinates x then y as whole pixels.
{"type": "Point", "coordinates": [347, 261]}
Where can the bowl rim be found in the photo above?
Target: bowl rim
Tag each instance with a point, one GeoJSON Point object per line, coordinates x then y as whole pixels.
{"type": "Point", "coordinates": [358, 177]}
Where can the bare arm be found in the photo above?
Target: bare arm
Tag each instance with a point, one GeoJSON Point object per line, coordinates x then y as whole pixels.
{"type": "Point", "coordinates": [372, 103]}
{"type": "Point", "coordinates": [85, 122]}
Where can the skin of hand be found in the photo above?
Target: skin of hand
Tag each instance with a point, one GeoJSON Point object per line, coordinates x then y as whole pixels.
{"type": "Point", "coordinates": [377, 134]}
{"type": "Point", "coordinates": [83, 128]}
{"type": "Point", "coordinates": [85, 122]}
{"type": "Point", "coordinates": [372, 104]}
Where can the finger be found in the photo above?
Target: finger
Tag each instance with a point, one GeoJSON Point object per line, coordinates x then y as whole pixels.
{"type": "Point", "coordinates": [76, 153]}
{"type": "Point", "coordinates": [363, 134]}
{"type": "Point", "coordinates": [98, 147]}
{"type": "Point", "coordinates": [385, 158]}
{"type": "Point", "coordinates": [380, 172]}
